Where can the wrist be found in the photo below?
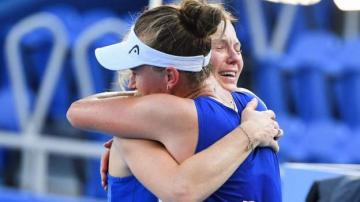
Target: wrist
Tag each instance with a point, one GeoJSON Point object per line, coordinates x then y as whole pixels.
{"type": "Point", "coordinates": [249, 130]}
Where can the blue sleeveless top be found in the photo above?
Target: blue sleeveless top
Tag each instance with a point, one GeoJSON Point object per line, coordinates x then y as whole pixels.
{"type": "Point", "coordinates": [128, 189]}
{"type": "Point", "coordinates": [258, 177]}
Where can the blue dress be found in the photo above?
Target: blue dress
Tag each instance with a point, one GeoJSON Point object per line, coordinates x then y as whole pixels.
{"type": "Point", "coordinates": [258, 177]}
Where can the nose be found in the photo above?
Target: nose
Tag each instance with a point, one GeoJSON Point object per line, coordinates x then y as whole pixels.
{"type": "Point", "coordinates": [234, 57]}
{"type": "Point", "coordinates": [132, 83]}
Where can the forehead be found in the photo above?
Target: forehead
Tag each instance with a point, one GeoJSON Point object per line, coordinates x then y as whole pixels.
{"type": "Point", "coordinates": [228, 34]}
{"type": "Point", "coordinates": [141, 67]}
{"type": "Point", "coordinates": [135, 69]}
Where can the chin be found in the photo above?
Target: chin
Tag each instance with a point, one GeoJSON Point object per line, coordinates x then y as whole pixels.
{"type": "Point", "coordinates": [229, 86]}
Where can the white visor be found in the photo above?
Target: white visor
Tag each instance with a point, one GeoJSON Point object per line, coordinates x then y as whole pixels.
{"type": "Point", "coordinates": [132, 53]}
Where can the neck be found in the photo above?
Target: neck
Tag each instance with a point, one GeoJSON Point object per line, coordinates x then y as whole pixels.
{"type": "Point", "coordinates": [183, 89]}
{"type": "Point", "coordinates": [217, 92]}
{"type": "Point", "coordinates": [210, 87]}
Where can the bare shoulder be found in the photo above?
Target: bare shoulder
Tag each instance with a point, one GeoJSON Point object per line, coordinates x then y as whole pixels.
{"type": "Point", "coordinates": [251, 95]}
{"type": "Point", "coordinates": [244, 90]}
{"type": "Point", "coordinates": [172, 121]}
{"type": "Point", "coordinates": [166, 111]}
{"type": "Point", "coordinates": [165, 103]}
{"type": "Point", "coordinates": [167, 99]}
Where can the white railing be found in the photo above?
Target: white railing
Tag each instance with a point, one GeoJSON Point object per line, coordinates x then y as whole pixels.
{"type": "Point", "coordinates": [80, 50]}
{"type": "Point", "coordinates": [34, 159]}
{"type": "Point", "coordinates": [35, 146]}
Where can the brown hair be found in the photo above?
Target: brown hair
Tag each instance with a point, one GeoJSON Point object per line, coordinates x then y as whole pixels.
{"type": "Point", "coordinates": [182, 30]}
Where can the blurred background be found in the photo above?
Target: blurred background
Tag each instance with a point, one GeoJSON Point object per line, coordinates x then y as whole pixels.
{"type": "Point", "coordinates": [303, 61]}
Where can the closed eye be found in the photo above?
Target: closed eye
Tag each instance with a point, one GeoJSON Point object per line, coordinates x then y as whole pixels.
{"type": "Point", "coordinates": [218, 44]}
{"type": "Point", "coordinates": [237, 47]}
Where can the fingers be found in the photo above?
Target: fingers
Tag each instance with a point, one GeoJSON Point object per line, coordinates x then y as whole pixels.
{"type": "Point", "coordinates": [252, 104]}
{"type": "Point", "coordinates": [108, 144]}
{"type": "Point", "coordinates": [274, 145]}
{"type": "Point", "coordinates": [276, 125]}
{"type": "Point", "coordinates": [104, 165]}
{"type": "Point", "coordinates": [274, 133]}
{"type": "Point", "coordinates": [279, 134]}
{"type": "Point", "coordinates": [271, 114]}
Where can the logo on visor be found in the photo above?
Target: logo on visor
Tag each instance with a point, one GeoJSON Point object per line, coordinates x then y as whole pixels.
{"type": "Point", "coordinates": [135, 49]}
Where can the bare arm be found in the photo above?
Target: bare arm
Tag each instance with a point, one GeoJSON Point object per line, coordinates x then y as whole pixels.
{"type": "Point", "coordinates": [202, 174]}
{"type": "Point", "coordinates": [121, 115]}
{"type": "Point", "coordinates": [194, 179]}
{"type": "Point", "coordinates": [164, 118]}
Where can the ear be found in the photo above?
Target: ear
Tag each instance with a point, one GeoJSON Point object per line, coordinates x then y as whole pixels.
{"type": "Point", "coordinates": [172, 77]}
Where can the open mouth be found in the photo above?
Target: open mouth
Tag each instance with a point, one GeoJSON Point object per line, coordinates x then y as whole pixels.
{"type": "Point", "coordinates": [228, 74]}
